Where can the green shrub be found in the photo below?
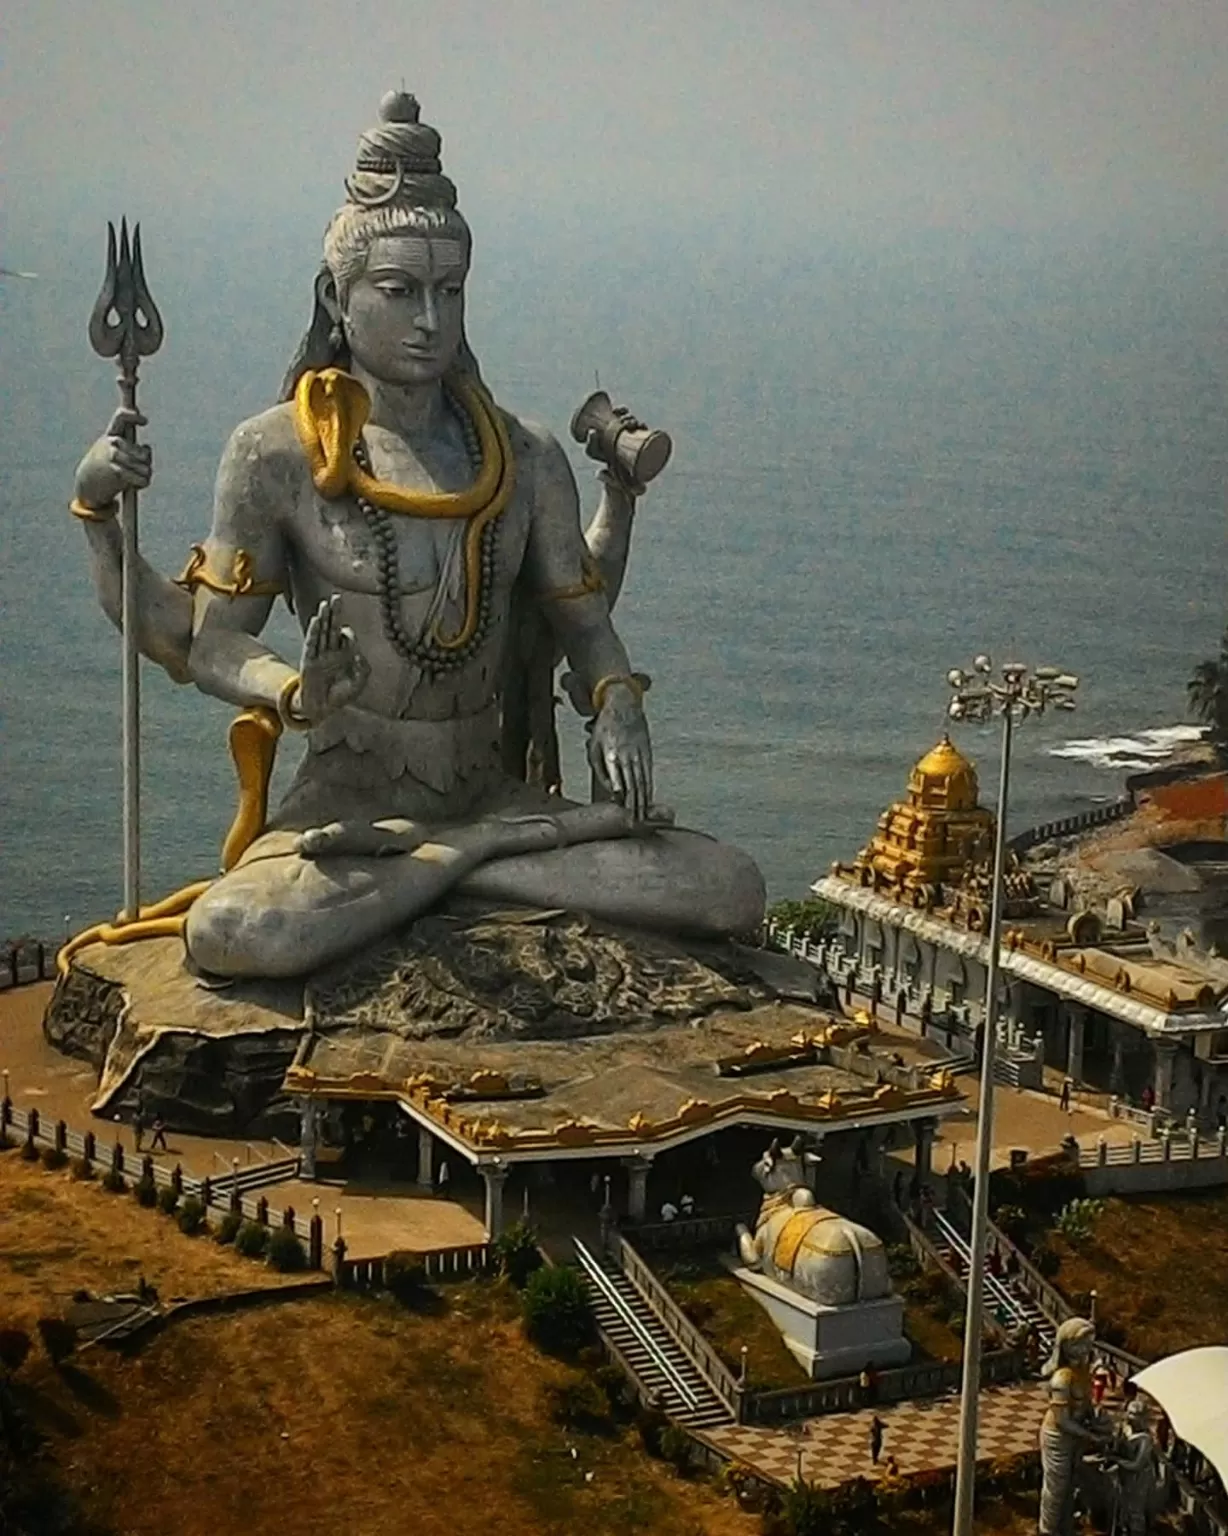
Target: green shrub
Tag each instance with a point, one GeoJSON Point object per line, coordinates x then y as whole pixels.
{"type": "Point", "coordinates": [115, 1182]}
{"type": "Point", "coordinates": [54, 1158]}
{"type": "Point", "coordinates": [146, 1192]}
{"type": "Point", "coordinates": [558, 1312]}
{"type": "Point", "coordinates": [1076, 1221]}
{"type": "Point", "coordinates": [1046, 1260]}
{"type": "Point", "coordinates": [1012, 1220]}
{"type": "Point", "coordinates": [902, 1262]}
{"type": "Point", "coordinates": [59, 1338]}
{"type": "Point", "coordinates": [517, 1255]}
{"type": "Point", "coordinates": [813, 917]}
{"type": "Point", "coordinates": [168, 1199]}
{"type": "Point", "coordinates": [806, 1510]}
{"type": "Point", "coordinates": [81, 1169]}
{"type": "Point", "coordinates": [651, 1424]}
{"type": "Point", "coordinates": [191, 1216]}
{"type": "Point", "coordinates": [252, 1240]}
{"type": "Point", "coordinates": [29, 1152]}
{"type": "Point", "coordinates": [15, 1345]}
{"type": "Point", "coordinates": [614, 1386]}
{"type": "Point", "coordinates": [676, 1447]}
{"type": "Point", "coordinates": [578, 1404]}
{"type": "Point", "coordinates": [405, 1277]}
{"type": "Point", "coordinates": [286, 1252]}
{"type": "Point", "coordinates": [229, 1226]}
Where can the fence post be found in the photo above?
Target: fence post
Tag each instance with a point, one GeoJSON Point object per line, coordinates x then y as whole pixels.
{"type": "Point", "coordinates": [40, 952]}
{"type": "Point", "coordinates": [6, 1112]}
{"type": "Point", "coordinates": [147, 1167]}
{"type": "Point", "coordinates": [339, 1262]}
{"type": "Point", "coordinates": [1166, 1141]}
{"type": "Point", "coordinates": [206, 1191]}
{"type": "Point", "coordinates": [1138, 1149]}
{"type": "Point", "coordinates": [61, 1135]}
{"type": "Point", "coordinates": [88, 1149]}
{"type": "Point", "coordinates": [14, 966]}
{"type": "Point", "coordinates": [1102, 1152]}
{"type": "Point", "coordinates": [287, 1217]}
{"type": "Point", "coordinates": [315, 1245]}
{"type": "Point", "coordinates": [262, 1211]}
{"type": "Point", "coordinates": [117, 1159]}
{"type": "Point", "coordinates": [32, 1123]}
{"type": "Point", "coordinates": [1223, 1141]}
{"type": "Point", "coordinates": [177, 1178]}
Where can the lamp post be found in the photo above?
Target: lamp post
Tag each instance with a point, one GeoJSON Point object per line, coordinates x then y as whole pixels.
{"type": "Point", "coordinates": [977, 696]}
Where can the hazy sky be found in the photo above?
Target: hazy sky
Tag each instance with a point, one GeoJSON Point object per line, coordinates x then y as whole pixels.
{"type": "Point", "coordinates": [792, 113]}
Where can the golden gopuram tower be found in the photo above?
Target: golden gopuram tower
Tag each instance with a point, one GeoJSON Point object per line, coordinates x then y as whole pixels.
{"type": "Point", "coordinates": [928, 841]}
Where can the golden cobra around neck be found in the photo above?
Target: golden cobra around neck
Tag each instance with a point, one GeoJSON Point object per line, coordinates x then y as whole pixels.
{"type": "Point", "coordinates": [331, 408]}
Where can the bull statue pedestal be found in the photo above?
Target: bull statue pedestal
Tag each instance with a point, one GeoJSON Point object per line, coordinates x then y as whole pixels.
{"type": "Point", "coordinates": [822, 1279]}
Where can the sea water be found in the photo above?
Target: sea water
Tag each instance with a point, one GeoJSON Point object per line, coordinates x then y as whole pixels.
{"type": "Point", "coordinates": [888, 457]}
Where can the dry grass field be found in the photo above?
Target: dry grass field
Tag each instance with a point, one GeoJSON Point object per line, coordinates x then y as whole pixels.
{"type": "Point", "coordinates": [336, 1409]}
{"type": "Point", "coordinates": [1159, 1267]}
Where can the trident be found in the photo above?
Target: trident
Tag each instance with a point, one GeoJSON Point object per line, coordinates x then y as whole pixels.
{"type": "Point", "coordinates": [125, 325]}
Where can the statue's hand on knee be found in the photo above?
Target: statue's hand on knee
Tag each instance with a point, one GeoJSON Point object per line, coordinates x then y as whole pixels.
{"type": "Point", "coordinates": [369, 839]}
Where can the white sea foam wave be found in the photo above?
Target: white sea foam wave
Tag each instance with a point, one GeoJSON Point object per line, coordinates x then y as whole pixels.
{"type": "Point", "coordinates": [1146, 749]}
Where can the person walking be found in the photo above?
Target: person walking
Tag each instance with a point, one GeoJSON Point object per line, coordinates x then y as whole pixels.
{"type": "Point", "coordinates": [159, 1135]}
{"type": "Point", "coordinates": [876, 1438]}
{"type": "Point", "coordinates": [1064, 1102]}
{"type": "Point", "coordinates": [138, 1123]}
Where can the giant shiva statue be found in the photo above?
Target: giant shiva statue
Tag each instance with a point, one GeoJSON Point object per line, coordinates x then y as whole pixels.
{"type": "Point", "coordinates": [411, 524]}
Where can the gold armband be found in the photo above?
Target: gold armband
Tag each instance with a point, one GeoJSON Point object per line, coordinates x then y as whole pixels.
{"type": "Point", "coordinates": [590, 581]}
{"type": "Point", "coordinates": [602, 686]}
{"type": "Point", "coordinates": [196, 573]}
{"type": "Point", "coordinates": [93, 514]}
{"type": "Point", "coordinates": [285, 705]}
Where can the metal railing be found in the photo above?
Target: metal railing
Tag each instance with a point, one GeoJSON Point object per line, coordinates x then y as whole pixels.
{"type": "Point", "coordinates": [679, 1326]}
{"type": "Point", "coordinates": [1000, 1293]}
{"type": "Point", "coordinates": [611, 1294]}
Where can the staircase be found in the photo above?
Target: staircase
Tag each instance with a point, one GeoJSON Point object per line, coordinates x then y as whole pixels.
{"type": "Point", "coordinates": [647, 1347]}
{"type": "Point", "coordinates": [1020, 1307]}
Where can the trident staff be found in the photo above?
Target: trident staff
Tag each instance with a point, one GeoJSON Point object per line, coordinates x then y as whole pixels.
{"type": "Point", "coordinates": [125, 325]}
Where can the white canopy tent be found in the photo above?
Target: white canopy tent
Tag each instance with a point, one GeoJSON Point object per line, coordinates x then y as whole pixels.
{"type": "Point", "coordinates": [1192, 1389]}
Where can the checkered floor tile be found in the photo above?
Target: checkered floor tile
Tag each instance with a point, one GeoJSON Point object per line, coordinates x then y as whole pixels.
{"type": "Point", "coordinates": [920, 1435]}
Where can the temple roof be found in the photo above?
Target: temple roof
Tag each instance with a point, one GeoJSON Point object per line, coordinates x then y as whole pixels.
{"type": "Point", "coordinates": [944, 779]}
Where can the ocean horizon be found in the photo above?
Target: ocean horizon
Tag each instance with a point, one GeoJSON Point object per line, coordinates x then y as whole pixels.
{"type": "Point", "coordinates": [887, 459]}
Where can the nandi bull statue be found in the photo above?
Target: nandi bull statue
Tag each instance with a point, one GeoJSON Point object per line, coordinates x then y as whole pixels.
{"type": "Point", "coordinates": [799, 1243]}
{"type": "Point", "coordinates": [822, 1278]}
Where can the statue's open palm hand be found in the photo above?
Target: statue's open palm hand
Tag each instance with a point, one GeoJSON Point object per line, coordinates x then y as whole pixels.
{"type": "Point", "coordinates": [333, 671]}
{"type": "Point", "coordinates": [620, 751]}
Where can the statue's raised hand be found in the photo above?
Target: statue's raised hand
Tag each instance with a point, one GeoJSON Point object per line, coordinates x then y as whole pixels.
{"type": "Point", "coordinates": [620, 751]}
{"type": "Point", "coordinates": [333, 671]}
{"type": "Point", "coordinates": [114, 463]}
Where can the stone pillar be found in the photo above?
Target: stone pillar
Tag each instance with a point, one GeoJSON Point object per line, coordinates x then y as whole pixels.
{"type": "Point", "coordinates": [494, 1175]}
{"type": "Point", "coordinates": [923, 1130]}
{"type": "Point", "coordinates": [638, 1169]}
{"type": "Point", "coordinates": [308, 1133]}
{"type": "Point", "coordinates": [1117, 1073]}
{"type": "Point", "coordinates": [1166, 1057]}
{"type": "Point", "coordinates": [1077, 1017]}
{"type": "Point", "coordinates": [426, 1159]}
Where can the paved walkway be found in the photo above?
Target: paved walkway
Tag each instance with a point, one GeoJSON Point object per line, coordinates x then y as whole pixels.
{"type": "Point", "coordinates": [376, 1219]}
{"type": "Point", "coordinates": [920, 1435]}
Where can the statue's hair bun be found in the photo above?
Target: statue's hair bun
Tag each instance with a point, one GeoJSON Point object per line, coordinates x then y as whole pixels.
{"type": "Point", "coordinates": [398, 161]}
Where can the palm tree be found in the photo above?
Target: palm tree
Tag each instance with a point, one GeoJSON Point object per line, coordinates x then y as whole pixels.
{"type": "Point", "coordinates": [1207, 691]}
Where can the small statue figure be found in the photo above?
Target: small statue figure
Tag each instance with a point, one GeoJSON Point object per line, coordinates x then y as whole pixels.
{"type": "Point", "coordinates": [408, 522]}
{"type": "Point", "coordinates": [1137, 1471]}
{"type": "Point", "coordinates": [1069, 1426]}
{"type": "Point", "coordinates": [801, 1244]}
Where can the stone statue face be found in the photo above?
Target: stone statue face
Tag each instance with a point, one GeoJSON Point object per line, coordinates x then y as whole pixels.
{"type": "Point", "coordinates": [404, 314]}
